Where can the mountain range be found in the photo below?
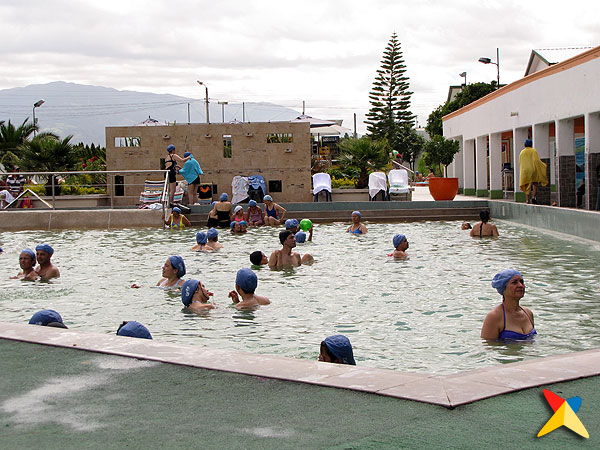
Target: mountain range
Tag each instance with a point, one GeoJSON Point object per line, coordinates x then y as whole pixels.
{"type": "Point", "coordinates": [84, 110]}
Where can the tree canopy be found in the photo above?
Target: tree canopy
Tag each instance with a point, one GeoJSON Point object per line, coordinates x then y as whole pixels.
{"type": "Point", "coordinates": [363, 155]}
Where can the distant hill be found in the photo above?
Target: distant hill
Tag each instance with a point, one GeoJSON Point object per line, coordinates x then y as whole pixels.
{"type": "Point", "coordinates": [84, 111]}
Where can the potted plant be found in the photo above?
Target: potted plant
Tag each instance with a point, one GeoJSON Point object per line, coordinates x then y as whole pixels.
{"type": "Point", "coordinates": [440, 152]}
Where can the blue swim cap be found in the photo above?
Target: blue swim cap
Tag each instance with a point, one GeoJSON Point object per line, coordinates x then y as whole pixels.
{"type": "Point", "coordinates": [291, 223]}
{"type": "Point", "coordinates": [232, 224]}
{"type": "Point", "coordinates": [528, 143]}
{"type": "Point", "coordinates": [44, 317]}
{"type": "Point", "coordinates": [247, 280]}
{"type": "Point", "coordinates": [188, 290]}
{"type": "Point", "coordinates": [177, 263]}
{"type": "Point", "coordinates": [186, 154]}
{"type": "Point", "coordinates": [134, 329]}
{"type": "Point", "coordinates": [170, 148]}
{"type": "Point", "coordinates": [300, 237]}
{"type": "Point", "coordinates": [224, 197]}
{"type": "Point", "coordinates": [176, 209]}
{"type": "Point", "coordinates": [30, 252]}
{"type": "Point", "coordinates": [212, 233]}
{"type": "Point", "coordinates": [201, 237]}
{"type": "Point", "coordinates": [359, 216]}
{"type": "Point", "coordinates": [398, 239]}
{"type": "Point", "coordinates": [339, 346]}
{"type": "Point", "coordinates": [213, 203]}
{"type": "Point", "coordinates": [243, 222]}
{"type": "Point", "coordinates": [267, 197]}
{"type": "Point", "coordinates": [252, 203]}
{"type": "Point", "coordinates": [45, 248]}
{"type": "Point", "coordinates": [502, 278]}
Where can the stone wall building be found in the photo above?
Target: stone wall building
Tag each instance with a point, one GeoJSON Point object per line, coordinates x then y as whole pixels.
{"type": "Point", "coordinates": [279, 151]}
{"type": "Point", "coordinates": [558, 108]}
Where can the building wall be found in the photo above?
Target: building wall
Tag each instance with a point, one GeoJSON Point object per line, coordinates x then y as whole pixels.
{"type": "Point", "coordinates": [250, 155]}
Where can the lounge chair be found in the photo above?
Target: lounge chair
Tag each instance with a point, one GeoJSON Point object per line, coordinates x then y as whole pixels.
{"type": "Point", "coordinates": [399, 185]}
{"type": "Point", "coordinates": [321, 183]}
{"type": "Point", "coordinates": [377, 184]}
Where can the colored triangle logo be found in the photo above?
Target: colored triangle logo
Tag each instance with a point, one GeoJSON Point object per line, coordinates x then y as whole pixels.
{"type": "Point", "coordinates": [564, 415]}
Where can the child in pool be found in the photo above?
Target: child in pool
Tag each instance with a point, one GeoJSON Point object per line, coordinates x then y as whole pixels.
{"type": "Point", "coordinates": [195, 296]}
{"type": "Point", "coordinates": [246, 282]}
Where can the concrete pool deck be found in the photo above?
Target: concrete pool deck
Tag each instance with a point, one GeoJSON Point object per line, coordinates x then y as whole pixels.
{"type": "Point", "coordinates": [164, 396]}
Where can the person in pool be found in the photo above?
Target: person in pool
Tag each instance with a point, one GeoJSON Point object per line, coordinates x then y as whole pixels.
{"type": "Point", "coordinates": [255, 215]}
{"type": "Point", "coordinates": [466, 226]}
{"type": "Point", "coordinates": [224, 210]}
{"type": "Point", "coordinates": [337, 349]}
{"type": "Point", "coordinates": [212, 236]}
{"type": "Point", "coordinates": [201, 242]}
{"type": "Point", "coordinates": [131, 328]}
{"type": "Point", "coordinates": [212, 221]}
{"type": "Point", "coordinates": [236, 228]}
{"type": "Point", "coordinates": [177, 220]}
{"type": "Point", "coordinates": [47, 318]}
{"type": "Point", "coordinates": [46, 270]}
{"type": "Point", "coordinates": [27, 262]}
{"type": "Point", "coordinates": [271, 210]}
{"type": "Point", "coordinates": [357, 226]}
{"type": "Point", "coordinates": [509, 320]}
{"type": "Point", "coordinates": [400, 245]}
{"type": "Point", "coordinates": [285, 256]}
{"type": "Point", "coordinates": [238, 213]}
{"type": "Point", "coordinates": [195, 296]}
{"type": "Point", "coordinates": [292, 225]}
{"type": "Point", "coordinates": [246, 282]}
{"type": "Point", "coordinates": [258, 258]}
{"type": "Point", "coordinates": [484, 228]}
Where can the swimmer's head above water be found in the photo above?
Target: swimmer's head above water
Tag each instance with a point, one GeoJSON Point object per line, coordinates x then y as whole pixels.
{"type": "Point", "coordinates": [212, 234]}
{"type": "Point", "coordinates": [300, 237]}
{"type": "Point", "coordinates": [484, 215]}
{"type": "Point", "coordinates": [201, 237]}
{"type": "Point", "coordinates": [400, 240]}
{"type": "Point", "coordinates": [246, 280]}
{"type": "Point", "coordinates": [285, 236]}
{"type": "Point", "coordinates": [176, 263]}
{"type": "Point", "coordinates": [337, 349]}
{"type": "Point", "coordinates": [134, 329]}
{"type": "Point", "coordinates": [47, 318]}
{"type": "Point", "coordinates": [258, 258]}
{"type": "Point", "coordinates": [466, 226]}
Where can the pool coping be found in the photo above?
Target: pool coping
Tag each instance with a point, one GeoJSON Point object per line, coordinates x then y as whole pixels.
{"type": "Point", "coordinates": [449, 391]}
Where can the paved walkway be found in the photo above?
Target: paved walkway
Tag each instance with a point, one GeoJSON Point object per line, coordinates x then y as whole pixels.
{"type": "Point", "coordinates": [60, 398]}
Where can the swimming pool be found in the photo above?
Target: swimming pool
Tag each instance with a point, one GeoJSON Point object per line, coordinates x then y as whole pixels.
{"type": "Point", "coordinates": [422, 315]}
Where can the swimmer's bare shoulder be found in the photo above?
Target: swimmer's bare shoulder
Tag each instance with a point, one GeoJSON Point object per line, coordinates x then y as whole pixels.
{"type": "Point", "coordinates": [275, 259]}
{"type": "Point", "coordinates": [262, 300]}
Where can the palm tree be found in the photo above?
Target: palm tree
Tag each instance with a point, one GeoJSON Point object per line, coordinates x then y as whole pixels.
{"type": "Point", "coordinates": [47, 153]}
{"type": "Point", "coordinates": [11, 138]}
{"type": "Point", "coordinates": [364, 155]}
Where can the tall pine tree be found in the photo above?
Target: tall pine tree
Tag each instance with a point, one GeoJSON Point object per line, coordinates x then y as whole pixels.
{"type": "Point", "coordinates": [390, 116]}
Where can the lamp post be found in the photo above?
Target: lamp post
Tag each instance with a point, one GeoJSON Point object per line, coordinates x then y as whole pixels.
{"type": "Point", "coordinates": [497, 64]}
{"type": "Point", "coordinates": [205, 87]}
{"type": "Point", "coordinates": [36, 105]}
{"type": "Point", "coordinates": [464, 75]}
{"type": "Point", "coordinates": [223, 110]}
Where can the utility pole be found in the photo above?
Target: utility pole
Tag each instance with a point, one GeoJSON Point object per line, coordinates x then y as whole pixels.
{"type": "Point", "coordinates": [355, 135]}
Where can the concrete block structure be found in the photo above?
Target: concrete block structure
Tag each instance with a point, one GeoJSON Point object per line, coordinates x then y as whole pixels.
{"type": "Point", "coordinates": [559, 109]}
{"type": "Point", "coordinates": [279, 151]}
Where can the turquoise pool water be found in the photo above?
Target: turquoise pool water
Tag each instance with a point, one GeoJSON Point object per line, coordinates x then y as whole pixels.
{"type": "Point", "coordinates": [423, 315]}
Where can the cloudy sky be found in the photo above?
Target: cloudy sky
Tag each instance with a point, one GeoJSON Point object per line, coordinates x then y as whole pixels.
{"type": "Point", "coordinates": [323, 52]}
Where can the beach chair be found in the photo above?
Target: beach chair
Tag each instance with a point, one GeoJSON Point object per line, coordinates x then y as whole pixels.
{"type": "Point", "coordinates": [378, 184]}
{"type": "Point", "coordinates": [153, 192]}
{"type": "Point", "coordinates": [399, 185]}
{"type": "Point", "coordinates": [257, 188]}
{"type": "Point", "coordinates": [321, 183]}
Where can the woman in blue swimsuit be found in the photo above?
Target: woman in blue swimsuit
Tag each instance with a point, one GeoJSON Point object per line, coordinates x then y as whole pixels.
{"type": "Point", "coordinates": [509, 320]}
{"type": "Point", "coordinates": [357, 226]}
{"type": "Point", "coordinates": [271, 210]}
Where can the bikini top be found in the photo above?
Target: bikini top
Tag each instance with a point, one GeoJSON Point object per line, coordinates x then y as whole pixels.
{"type": "Point", "coordinates": [508, 334]}
{"type": "Point", "coordinates": [357, 231]}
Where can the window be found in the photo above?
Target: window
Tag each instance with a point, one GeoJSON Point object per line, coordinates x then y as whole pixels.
{"type": "Point", "coordinates": [134, 141]}
{"type": "Point", "coordinates": [226, 146]}
{"type": "Point", "coordinates": [274, 185]}
{"type": "Point", "coordinates": [280, 138]}
{"type": "Point", "coordinates": [163, 166]}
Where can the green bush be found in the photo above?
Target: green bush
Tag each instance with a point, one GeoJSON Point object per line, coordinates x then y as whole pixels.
{"type": "Point", "coordinates": [342, 182]}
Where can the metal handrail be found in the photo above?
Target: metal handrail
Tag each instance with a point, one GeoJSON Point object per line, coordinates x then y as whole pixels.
{"type": "Point", "coordinates": [404, 167]}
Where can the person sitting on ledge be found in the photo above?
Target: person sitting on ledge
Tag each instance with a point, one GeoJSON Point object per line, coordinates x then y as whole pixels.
{"type": "Point", "coordinates": [337, 349]}
{"type": "Point", "coordinates": [46, 270]}
{"type": "Point", "coordinates": [27, 262]}
{"type": "Point", "coordinates": [195, 296]}
{"type": "Point", "coordinates": [246, 282]}
{"type": "Point", "coordinates": [271, 210]}
{"type": "Point", "coordinates": [172, 271]}
{"type": "Point", "coordinates": [238, 213]}
{"type": "Point", "coordinates": [509, 320]}
{"type": "Point", "coordinates": [255, 215]}
{"type": "Point", "coordinates": [213, 239]}
{"type": "Point", "coordinates": [201, 242]}
{"type": "Point", "coordinates": [47, 318]}
{"type": "Point", "coordinates": [357, 226]}
{"type": "Point", "coordinates": [484, 228]}
{"type": "Point", "coordinates": [177, 220]}
{"type": "Point", "coordinates": [134, 329]}
{"type": "Point", "coordinates": [400, 245]}
{"type": "Point", "coordinates": [258, 258]}
{"type": "Point", "coordinates": [223, 209]}
{"type": "Point", "coordinates": [285, 256]}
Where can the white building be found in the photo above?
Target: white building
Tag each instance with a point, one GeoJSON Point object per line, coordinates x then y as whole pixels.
{"type": "Point", "coordinates": [558, 107]}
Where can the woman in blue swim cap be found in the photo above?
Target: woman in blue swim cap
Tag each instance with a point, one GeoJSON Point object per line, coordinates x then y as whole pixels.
{"type": "Point", "coordinates": [357, 226]}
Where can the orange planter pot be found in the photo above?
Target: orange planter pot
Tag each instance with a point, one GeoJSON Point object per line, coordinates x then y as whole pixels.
{"type": "Point", "coordinates": [443, 188]}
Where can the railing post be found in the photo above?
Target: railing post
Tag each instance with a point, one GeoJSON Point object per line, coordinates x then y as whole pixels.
{"type": "Point", "coordinates": [112, 190]}
{"type": "Point", "coordinates": [52, 180]}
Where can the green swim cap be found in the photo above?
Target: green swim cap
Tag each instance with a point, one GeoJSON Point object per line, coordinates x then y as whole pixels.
{"type": "Point", "coordinates": [305, 224]}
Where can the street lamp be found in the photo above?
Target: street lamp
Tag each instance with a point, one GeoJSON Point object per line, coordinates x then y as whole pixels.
{"type": "Point", "coordinates": [497, 63]}
{"type": "Point", "coordinates": [464, 75]}
{"type": "Point", "coordinates": [205, 87]}
{"type": "Point", "coordinates": [36, 105]}
{"type": "Point", "coordinates": [223, 110]}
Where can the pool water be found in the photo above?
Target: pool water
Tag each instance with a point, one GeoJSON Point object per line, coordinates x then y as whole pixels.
{"type": "Point", "coordinates": [421, 315]}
